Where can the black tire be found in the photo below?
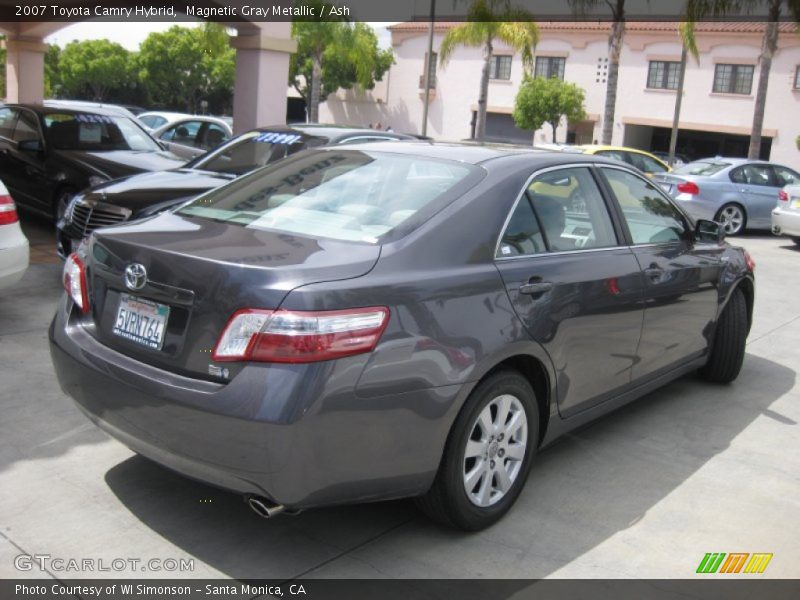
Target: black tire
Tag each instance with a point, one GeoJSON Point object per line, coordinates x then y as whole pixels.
{"type": "Point", "coordinates": [447, 501]}
{"type": "Point", "coordinates": [727, 352]}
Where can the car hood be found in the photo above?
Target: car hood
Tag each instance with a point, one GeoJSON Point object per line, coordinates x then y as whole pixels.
{"type": "Point", "coordinates": [119, 163]}
{"type": "Point", "coordinates": [145, 190]}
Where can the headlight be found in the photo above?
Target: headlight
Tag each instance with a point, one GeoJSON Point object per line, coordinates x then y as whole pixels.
{"type": "Point", "coordinates": [96, 180]}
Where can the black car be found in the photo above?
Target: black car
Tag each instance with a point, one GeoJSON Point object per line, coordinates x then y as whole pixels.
{"type": "Point", "coordinates": [49, 153]}
{"type": "Point", "coordinates": [385, 320]}
{"type": "Point", "coordinates": [148, 193]}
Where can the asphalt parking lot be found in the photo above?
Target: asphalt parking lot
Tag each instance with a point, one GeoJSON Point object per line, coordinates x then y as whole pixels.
{"type": "Point", "coordinates": [643, 493]}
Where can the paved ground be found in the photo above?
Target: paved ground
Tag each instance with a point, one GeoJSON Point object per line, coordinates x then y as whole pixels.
{"type": "Point", "coordinates": [645, 492]}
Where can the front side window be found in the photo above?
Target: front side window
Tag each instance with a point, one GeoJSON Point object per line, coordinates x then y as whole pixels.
{"type": "Point", "coordinates": [501, 67]}
{"type": "Point", "coordinates": [663, 75]}
{"type": "Point", "coordinates": [213, 137]}
{"type": "Point", "coordinates": [561, 210]}
{"type": "Point", "coordinates": [651, 218]}
{"type": "Point", "coordinates": [184, 133]}
{"type": "Point", "coordinates": [27, 127]}
{"type": "Point", "coordinates": [733, 79]}
{"type": "Point", "coordinates": [94, 132]}
{"type": "Point", "coordinates": [549, 66]}
{"type": "Point", "coordinates": [344, 194]}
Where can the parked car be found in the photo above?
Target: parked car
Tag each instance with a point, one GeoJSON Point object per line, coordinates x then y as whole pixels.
{"type": "Point", "coordinates": [188, 136]}
{"type": "Point", "coordinates": [644, 161]}
{"type": "Point", "coordinates": [14, 251]}
{"type": "Point", "coordinates": [737, 192]}
{"type": "Point", "coordinates": [149, 193]}
{"type": "Point", "coordinates": [47, 154]}
{"type": "Point", "coordinates": [786, 215]}
{"type": "Point", "coordinates": [384, 320]}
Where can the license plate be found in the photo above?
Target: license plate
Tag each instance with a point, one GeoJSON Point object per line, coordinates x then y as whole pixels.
{"type": "Point", "coordinates": [141, 321]}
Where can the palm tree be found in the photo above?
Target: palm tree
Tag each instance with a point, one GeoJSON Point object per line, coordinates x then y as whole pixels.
{"type": "Point", "coordinates": [697, 9]}
{"type": "Point", "coordinates": [490, 20]}
{"type": "Point", "coordinates": [615, 40]}
{"type": "Point", "coordinates": [688, 46]}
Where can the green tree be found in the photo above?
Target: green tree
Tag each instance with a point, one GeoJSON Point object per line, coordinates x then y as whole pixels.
{"type": "Point", "coordinates": [615, 40]}
{"type": "Point", "coordinates": [332, 55]}
{"type": "Point", "coordinates": [488, 21]}
{"type": "Point", "coordinates": [543, 100]}
{"type": "Point", "coordinates": [52, 77]}
{"type": "Point", "coordinates": [93, 68]}
{"type": "Point", "coordinates": [181, 67]}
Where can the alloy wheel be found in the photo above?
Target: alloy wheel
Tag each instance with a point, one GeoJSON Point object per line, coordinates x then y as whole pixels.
{"type": "Point", "coordinates": [495, 450]}
{"type": "Point", "coordinates": [731, 218]}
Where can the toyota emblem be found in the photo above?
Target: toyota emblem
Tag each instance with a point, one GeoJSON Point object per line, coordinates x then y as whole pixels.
{"type": "Point", "coordinates": [135, 276]}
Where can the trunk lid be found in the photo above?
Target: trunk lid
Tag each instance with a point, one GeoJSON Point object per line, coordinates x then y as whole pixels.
{"type": "Point", "coordinates": [200, 272]}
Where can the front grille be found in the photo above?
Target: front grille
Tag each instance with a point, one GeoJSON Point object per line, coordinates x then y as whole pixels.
{"type": "Point", "coordinates": [86, 217]}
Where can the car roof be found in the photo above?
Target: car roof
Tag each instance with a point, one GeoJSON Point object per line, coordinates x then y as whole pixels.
{"type": "Point", "coordinates": [55, 109]}
{"type": "Point", "coordinates": [468, 152]}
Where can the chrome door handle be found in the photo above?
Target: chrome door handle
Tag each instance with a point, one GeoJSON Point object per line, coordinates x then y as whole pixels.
{"type": "Point", "coordinates": [535, 288]}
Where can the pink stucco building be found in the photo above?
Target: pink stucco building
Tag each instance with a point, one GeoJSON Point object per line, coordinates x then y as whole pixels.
{"type": "Point", "coordinates": [717, 106]}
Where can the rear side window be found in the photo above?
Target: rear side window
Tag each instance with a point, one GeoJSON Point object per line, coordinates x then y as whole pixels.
{"type": "Point", "coordinates": [561, 210]}
{"type": "Point", "coordinates": [650, 217]}
{"type": "Point", "coordinates": [345, 194]}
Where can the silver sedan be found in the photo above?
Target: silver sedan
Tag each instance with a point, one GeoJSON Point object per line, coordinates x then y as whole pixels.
{"type": "Point", "coordinates": [736, 192]}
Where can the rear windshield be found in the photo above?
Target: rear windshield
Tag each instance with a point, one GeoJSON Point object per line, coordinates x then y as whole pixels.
{"type": "Point", "coordinates": [92, 132]}
{"type": "Point", "coordinates": [252, 150]}
{"type": "Point", "coordinates": [701, 167]}
{"type": "Point", "coordinates": [344, 194]}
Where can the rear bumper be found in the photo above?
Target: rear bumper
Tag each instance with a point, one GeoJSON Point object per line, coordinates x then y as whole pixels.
{"type": "Point", "coordinates": [283, 432]}
{"type": "Point", "coordinates": [786, 222]}
{"type": "Point", "coordinates": [14, 259]}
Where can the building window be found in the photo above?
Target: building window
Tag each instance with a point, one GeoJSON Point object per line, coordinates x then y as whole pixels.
{"type": "Point", "coordinates": [549, 66]}
{"type": "Point", "coordinates": [733, 79]}
{"type": "Point", "coordinates": [663, 75]}
{"type": "Point", "coordinates": [501, 67]}
{"type": "Point", "coordinates": [797, 78]}
{"type": "Point", "coordinates": [432, 67]}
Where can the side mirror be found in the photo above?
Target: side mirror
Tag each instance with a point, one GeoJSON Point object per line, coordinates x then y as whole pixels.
{"type": "Point", "coordinates": [709, 232]}
{"type": "Point", "coordinates": [34, 145]}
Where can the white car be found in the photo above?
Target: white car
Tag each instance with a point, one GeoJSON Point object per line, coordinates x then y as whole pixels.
{"type": "Point", "coordinates": [14, 253]}
{"type": "Point", "coordinates": [187, 136]}
{"type": "Point", "coordinates": [786, 215]}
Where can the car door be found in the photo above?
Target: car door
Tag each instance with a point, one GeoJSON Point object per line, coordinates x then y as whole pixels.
{"type": "Point", "coordinates": [574, 286]}
{"type": "Point", "coordinates": [758, 189]}
{"type": "Point", "coordinates": [681, 276]}
{"type": "Point", "coordinates": [182, 137]}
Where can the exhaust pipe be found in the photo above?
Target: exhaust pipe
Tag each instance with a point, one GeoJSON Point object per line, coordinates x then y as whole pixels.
{"type": "Point", "coordinates": [266, 509]}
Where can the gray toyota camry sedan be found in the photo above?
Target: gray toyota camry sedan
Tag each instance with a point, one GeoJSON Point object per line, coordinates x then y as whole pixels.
{"type": "Point", "coordinates": [392, 320]}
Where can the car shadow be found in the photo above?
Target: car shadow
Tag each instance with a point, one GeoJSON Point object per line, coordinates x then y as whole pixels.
{"type": "Point", "coordinates": [596, 482]}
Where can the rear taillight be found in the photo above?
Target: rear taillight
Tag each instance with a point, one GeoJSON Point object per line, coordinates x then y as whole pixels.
{"type": "Point", "coordinates": [75, 282]}
{"type": "Point", "coordinates": [8, 212]}
{"type": "Point", "coordinates": [287, 336]}
{"type": "Point", "coordinates": [748, 260]}
{"type": "Point", "coordinates": [783, 196]}
{"type": "Point", "coordinates": [688, 187]}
